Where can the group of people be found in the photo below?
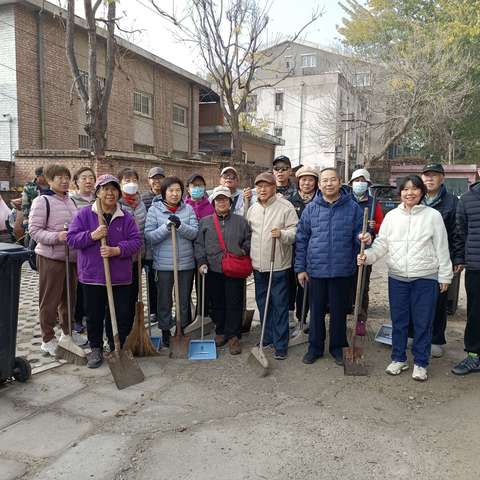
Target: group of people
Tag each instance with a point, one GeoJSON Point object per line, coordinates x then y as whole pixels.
{"type": "Point", "coordinates": [316, 225]}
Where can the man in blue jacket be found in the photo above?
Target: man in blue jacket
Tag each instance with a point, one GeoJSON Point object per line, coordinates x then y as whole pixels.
{"type": "Point", "coordinates": [326, 248]}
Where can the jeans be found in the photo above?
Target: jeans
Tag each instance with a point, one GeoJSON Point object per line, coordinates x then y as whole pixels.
{"type": "Point", "coordinates": [335, 293]}
{"type": "Point", "coordinates": [416, 300]}
{"type": "Point", "coordinates": [472, 329]}
{"type": "Point", "coordinates": [276, 328]}
{"type": "Point", "coordinates": [226, 299]}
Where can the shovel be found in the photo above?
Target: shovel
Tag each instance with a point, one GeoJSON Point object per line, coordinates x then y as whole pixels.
{"type": "Point", "coordinates": [178, 343]}
{"type": "Point", "coordinates": [124, 368]}
{"type": "Point", "coordinates": [202, 349]}
{"type": "Point", "coordinates": [299, 337]}
{"type": "Point", "coordinates": [353, 362]}
{"type": "Point", "coordinates": [257, 358]}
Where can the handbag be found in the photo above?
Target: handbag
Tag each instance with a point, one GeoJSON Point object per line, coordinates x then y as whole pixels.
{"type": "Point", "coordinates": [233, 266]}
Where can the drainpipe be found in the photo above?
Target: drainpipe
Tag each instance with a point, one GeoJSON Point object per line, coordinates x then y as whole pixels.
{"type": "Point", "coordinates": [8, 118]}
{"type": "Point", "coordinates": [41, 79]}
{"type": "Point", "coordinates": [192, 119]}
{"type": "Point", "coordinates": [300, 141]}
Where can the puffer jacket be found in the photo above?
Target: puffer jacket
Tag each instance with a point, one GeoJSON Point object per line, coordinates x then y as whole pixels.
{"type": "Point", "coordinates": [202, 208]}
{"type": "Point", "coordinates": [236, 234]}
{"type": "Point", "coordinates": [62, 212]}
{"type": "Point", "coordinates": [81, 201]}
{"type": "Point", "coordinates": [416, 243]}
{"type": "Point", "coordinates": [277, 213]}
{"type": "Point", "coordinates": [159, 236]}
{"type": "Point", "coordinates": [327, 237]}
{"type": "Point", "coordinates": [467, 241]}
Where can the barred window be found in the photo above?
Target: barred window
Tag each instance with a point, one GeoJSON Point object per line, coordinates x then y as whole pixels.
{"type": "Point", "coordinates": [142, 104]}
{"type": "Point", "coordinates": [179, 115]}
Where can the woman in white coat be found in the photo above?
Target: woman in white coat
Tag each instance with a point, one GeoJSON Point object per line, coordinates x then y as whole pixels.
{"type": "Point", "coordinates": [414, 238]}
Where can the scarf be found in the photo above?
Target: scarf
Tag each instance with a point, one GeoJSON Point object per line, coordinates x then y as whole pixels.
{"type": "Point", "coordinates": [131, 200]}
{"type": "Point", "coordinates": [306, 197]}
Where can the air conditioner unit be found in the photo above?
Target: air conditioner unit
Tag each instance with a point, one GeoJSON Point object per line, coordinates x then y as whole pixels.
{"type": "Point", "coordinates": [4, 186]}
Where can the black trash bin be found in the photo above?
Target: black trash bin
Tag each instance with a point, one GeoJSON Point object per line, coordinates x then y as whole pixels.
{"type": "Point", "coordinates": [11, 259]}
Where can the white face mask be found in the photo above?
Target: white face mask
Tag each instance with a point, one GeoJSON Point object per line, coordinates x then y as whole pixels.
{"type": "Point", "coordinates": [130, 188]}
{"type": "Point", "coordinates": [359, 188]}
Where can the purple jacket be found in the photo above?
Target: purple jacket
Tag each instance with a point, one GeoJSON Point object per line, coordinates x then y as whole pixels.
{"type": "Point", "coordinates": [202, 208]}
{"type": "Point", "coordinates": [122, 232]}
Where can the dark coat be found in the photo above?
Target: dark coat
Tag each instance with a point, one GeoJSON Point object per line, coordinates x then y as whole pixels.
{"type": "Point", "coordinates": [467, 241]}
{"type": "Point", "coordinates": [327, 237]}
{"type": "Point", "coordinates": [298, 203]}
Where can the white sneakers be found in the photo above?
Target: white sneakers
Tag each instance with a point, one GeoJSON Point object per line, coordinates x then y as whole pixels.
{"type": "Point", "coordinates": [292, 320]}
{"type": "Point", "coordinates": [419, 373]}
{"type": "Point", "coordinates": [437, 351]}
{"type": "Point", "coordinates": [396, 368]}
{"type": "Point", "coordinates": [50, 347]}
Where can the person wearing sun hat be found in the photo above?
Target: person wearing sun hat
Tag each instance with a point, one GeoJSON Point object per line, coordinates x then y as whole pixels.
{"type": "Point", "coordinates": [123, 242]}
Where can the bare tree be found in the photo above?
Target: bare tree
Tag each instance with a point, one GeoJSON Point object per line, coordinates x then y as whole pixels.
{"type": "Point", "coordinates": [230, 37]}
{"type": "Point", "coordinates": [93, 91]}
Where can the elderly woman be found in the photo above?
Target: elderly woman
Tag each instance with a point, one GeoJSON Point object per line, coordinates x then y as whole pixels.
{"type": "Point", "coordinates": [123, 243]}
{"type": "Point", "coordinates": [168, 210]}
{"type": "Point", "coordinates": [197, 196]}
{"type": "Point", "coordinates": [414, 238]}
{"type": "Point", "coordinates": [49, 216]}
{"type": "Point", "coordinates": [225, 293]}
{"type": "Point", "coordinates": [83, 196]}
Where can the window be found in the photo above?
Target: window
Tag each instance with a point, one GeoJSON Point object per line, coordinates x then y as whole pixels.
{"type": "Point", "coordinates": [279, 101]}
{"type": "Point", "coordinates": [139, 148]}
{"type": "Point", "coordinates": [309, 60]}
{"type": "Point", "coordinates": [179, 115]}
{"type": "Point", "coordinates": [142, 104]}
{"type": "Point", "coordinates": [361, 79]}
{"type": "Point", "coordinates": [278, 131]}
{"type": "Point", "coordinates": [84, 142]}
{"type": "Point", "coordinates": [251, 105]}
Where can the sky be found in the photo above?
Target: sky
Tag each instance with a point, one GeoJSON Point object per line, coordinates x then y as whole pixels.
{"type": "Point", "coordinates": [287, 16]}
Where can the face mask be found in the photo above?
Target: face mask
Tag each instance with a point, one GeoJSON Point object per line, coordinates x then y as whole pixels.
{"type": "Point", "coordinates": [359, 188]}
{"type": "Point", "coordinates": [197, 192]}
{"type": "Point", "coordinates": [130, 188]}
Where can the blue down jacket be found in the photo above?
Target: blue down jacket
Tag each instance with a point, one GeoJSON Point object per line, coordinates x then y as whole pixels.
{"type": "Point", "coordinates": [327, 237]}
{"type": "Point", "coordinates": [159, 237]}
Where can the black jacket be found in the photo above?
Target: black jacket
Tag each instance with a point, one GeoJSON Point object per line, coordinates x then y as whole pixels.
{"type": "Point", "coordinates": [467, 244]}
{"type": "Point", "coordinates": [446, 203]}
{"type": "Point", "coordinates": [298, 203]}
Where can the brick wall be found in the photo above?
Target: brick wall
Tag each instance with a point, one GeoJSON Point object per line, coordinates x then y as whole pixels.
{"type": "Point", "coordinates": [6, 171]}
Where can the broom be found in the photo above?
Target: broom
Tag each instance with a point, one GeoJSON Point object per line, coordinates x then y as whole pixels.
{"type": "Point", "coordinates": [67, 349]}
{"type": "Point", "coordinates": [138, 340]}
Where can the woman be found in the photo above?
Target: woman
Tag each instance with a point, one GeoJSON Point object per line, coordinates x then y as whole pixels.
{"type": "Point", "coordinates": [168, 210]}
{"type": "Point", "coordinates": [132, 203]}
{"type": "Point", "coordinates": [123, 243]}
{"type": "Point", "coordinates": [225, 294]}
{"type": "Point", "coordinates": [49, 216]}
{"type": "Point", "coordinates": [84, 195]}
{"type": "Point", "coordinates": [197, 196]}
{"type": "Point", "coordinates": [419, 267]}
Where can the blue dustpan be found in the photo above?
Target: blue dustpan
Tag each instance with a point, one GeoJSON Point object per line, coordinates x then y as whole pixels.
{"type": "Point", "coordinates": [156, 342]}
{"type": "Point", "coordinates": [384, 335]}
{"type": "Point", "coordinates": [202, 350]}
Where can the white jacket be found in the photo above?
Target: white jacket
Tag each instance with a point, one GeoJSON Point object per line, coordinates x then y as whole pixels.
{"type": "Point", "coordinates": [277, 213]}
{"type": "Point", "coordinates": [416, 243]}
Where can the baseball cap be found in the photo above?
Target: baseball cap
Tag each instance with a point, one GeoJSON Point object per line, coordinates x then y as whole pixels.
{"type": "Point", "coordinates": [283, 159]}
{"type": "Point", "coordinates": [156, 171]}
{"type": "Point", "coordinates": [434, 167]}
{"type": "Point", "coordinates": [219, 191]}
{"type": "Point", "coordinates": [193, 177]}
{"type": "Point", "coordinates": [104, 179]}
{"type": "Point", "coordinates": [265, 177]}
{"type": "Point", "coordinates": [306, 170]}
{"type": "Point", "coordinates": [227, 169]}
{"type": "Point", "coordinates": [361, 172]}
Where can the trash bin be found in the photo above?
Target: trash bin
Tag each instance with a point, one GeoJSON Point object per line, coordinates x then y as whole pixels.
{"type": "Point", "coordinates": [11, 259]}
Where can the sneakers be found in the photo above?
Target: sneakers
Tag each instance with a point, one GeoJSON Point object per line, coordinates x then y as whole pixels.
{"type": "Point", "coordinates": [50, 347]}
{"type": "Point", "coordinates": [166, 338]}
{"type": "Point", "coordinates": [468, 365]}
{"type": "Point", "coordinates": [95, 358]}
{"type": "Point", "coordinates": [278, 355]}
{"type": "Point", "coordinates": [78, 327]}
{"type": "Point", "coordinates": [292, 321]}
{"type": "Point", "coordinates": [310, 358]}
{"type": "Point", "coordinates": [396, 368]}
{"type": "Point", "coordinates": [234, 346]}
{"type": "Point", "coordinates": [338, 359]}
{"type": "Point", "coordinates": [220, 341]}
{"type": "Point", "coordinates": [419, 373]}
{"type": "Point", "coordinates": [437, 351]}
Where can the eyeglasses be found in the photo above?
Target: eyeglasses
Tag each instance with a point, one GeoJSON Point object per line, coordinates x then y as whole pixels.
{"type": "Point", "coordinates": [229, 177]}
{"type": "Point", "coordinates": [281, 169]}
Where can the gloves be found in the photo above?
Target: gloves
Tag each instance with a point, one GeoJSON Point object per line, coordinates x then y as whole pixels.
{"type": "Point", "coordinates": [175, 220]}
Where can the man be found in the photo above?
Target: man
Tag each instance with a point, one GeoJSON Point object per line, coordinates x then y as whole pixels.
{"type": "Point", "coordinates": [327, 236]}
{"type": "Point", "coordinates": [229, 178]}
{"type": "Point", "coordinates": [38, 186]}
{"type": "Point", "coordinates": [282, 169]}
{"type": "Point", "coordinates": [467, 255]}
{"type": "Point", "coordinates": [272, 217]}
{"type": "Point", "coordinates": [433, 176]}
{"type": "Point", "coordinates": [155, 177]}
{"type": "Point", "coordinates": [360, 182]}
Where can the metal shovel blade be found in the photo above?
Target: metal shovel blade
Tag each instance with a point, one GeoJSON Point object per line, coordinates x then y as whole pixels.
{"type": "Point", "coordinates": [258, 361]}
{"type": "Point", "coordinates": [202, 350]}
{"type": "Point", "coordinates": [179, 346]}
{"type": "Point", "coordinates": [353, 362]}
{"type": "Point", "coordinates": [125, 369]}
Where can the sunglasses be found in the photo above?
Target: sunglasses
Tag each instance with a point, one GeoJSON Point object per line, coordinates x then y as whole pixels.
{"type": "Point", "coordinates": [281, 169]}
{"type": "Point", "coordinates": [229, 177]}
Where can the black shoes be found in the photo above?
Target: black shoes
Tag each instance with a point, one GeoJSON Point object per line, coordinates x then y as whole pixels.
{"type": "Point", "coordinates": [468, 365]}
{"type": "Point", "coordinates": [310, 358]}
{"type": "Point", "coordinates": [166, 338]}
{"type": "Point", "coordinates": [95, 358]}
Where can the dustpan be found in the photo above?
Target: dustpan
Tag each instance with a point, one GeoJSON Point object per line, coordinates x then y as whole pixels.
{"type": "Point", "coordinates": [384, 334]}
{"type": "Point", "coordinates": [202, 349]}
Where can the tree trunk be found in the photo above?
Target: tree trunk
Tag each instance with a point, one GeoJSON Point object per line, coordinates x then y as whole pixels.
{"type": "Point", "coordinates": [237, 144]}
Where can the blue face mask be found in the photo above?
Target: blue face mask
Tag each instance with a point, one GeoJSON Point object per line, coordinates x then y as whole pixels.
{"type": "Point", "coordinates": [359, 188]}
{"type": "Point", "coordinates": [197, 192]}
